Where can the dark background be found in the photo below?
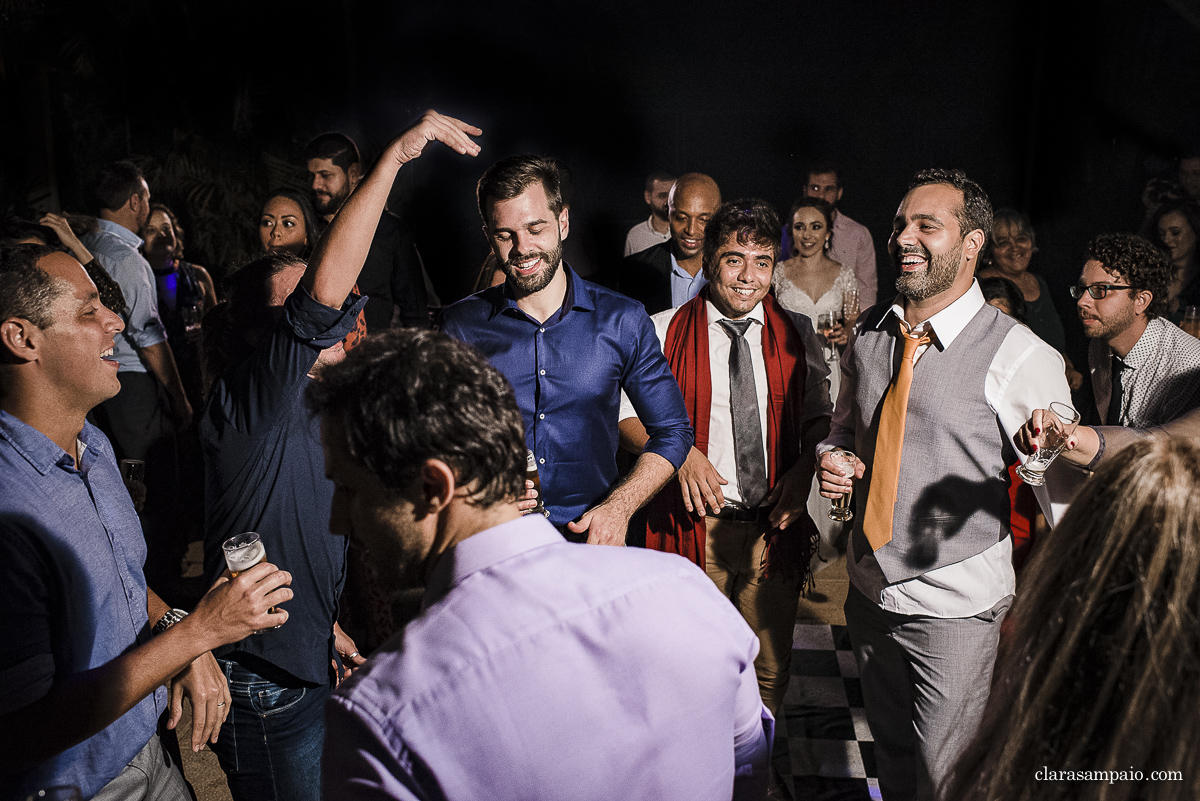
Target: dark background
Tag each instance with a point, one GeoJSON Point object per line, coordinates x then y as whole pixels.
{"type": "Point", "coordinates": [1062, 111]}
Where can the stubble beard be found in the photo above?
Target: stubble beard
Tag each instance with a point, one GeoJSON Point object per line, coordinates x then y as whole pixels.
{"type": "Point", "coordinates": [529, 284]}
{"type": "Point", "coordinates": [934, 279]}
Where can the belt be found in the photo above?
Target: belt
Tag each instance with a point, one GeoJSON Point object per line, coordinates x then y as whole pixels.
{"type": "Point", "coordinates": [742, 514]}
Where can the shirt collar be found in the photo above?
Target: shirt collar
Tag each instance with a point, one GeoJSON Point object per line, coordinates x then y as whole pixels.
{"type": "Point", "coordinates": [120, 232]}
{"type": "Point", "coordinates": [950, 321]}
{"type": "Point", "coordinates": [1147, 344]}
{"type": "Point", "coordinates": [578, 296]}
{"type": "Point", "coordinates": [485, 549]}
{"type": "Point", "coordinates": [38, 449]}
{"type": "Point", "coordinates": [756, 314]}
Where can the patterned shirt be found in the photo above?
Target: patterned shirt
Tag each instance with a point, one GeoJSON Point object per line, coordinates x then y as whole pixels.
{"type": "Point", "coordinates": [1160, 376]}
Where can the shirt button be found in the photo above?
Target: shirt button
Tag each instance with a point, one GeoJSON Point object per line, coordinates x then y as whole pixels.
{"type": "Point", "coordinates": [541, 330]}
{"type": "Point", "coordinates": [541, 461]}
{"type": "Point", "coordinates": [541, 417]}
{"type": "Point", "coordinates": [541, 372]}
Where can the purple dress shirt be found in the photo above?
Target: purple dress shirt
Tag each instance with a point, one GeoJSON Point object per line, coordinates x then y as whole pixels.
{"type": "Point", "coordinates": [543, 669]}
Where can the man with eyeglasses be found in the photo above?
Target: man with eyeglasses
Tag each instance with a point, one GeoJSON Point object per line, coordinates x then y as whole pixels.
{"type": "Point", "coordinates": [1144, 370]}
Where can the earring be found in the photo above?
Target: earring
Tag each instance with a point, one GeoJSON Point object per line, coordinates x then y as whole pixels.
{"type": "Point", "coordinates": [827, 243]}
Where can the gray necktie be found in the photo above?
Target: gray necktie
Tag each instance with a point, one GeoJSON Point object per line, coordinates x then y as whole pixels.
{"type": "Point", "coordinates": [743, 408]}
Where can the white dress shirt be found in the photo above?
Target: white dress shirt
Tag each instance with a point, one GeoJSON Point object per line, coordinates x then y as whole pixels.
{"type": "Point", "coordinates": [1024, 375]}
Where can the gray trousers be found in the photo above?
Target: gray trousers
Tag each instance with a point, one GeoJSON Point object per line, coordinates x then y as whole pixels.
{"type": "Point", "coordinates": [150, 776]}
{"type": "Point", "coordinates": [925, 681]}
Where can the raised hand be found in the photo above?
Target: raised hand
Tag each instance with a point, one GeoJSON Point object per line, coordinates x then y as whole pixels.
{"type": "Point", "coordinates": [434, 127]}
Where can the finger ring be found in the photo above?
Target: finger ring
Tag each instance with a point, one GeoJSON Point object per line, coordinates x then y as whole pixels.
{"type": "Point", "coordinates": [220, 703]}
{"type": "Point", "coordinates": [351, 656]}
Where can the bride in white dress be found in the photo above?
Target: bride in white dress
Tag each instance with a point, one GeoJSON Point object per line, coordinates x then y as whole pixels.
{"type": "Point", "coordinates": [810, 274]}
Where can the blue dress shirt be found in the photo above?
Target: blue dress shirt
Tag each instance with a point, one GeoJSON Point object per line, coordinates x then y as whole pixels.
{"type": "Point", "coordinates": [72, 594]}
{"type": "Point", "coordinates": [684, 287]}
{"type": "Point", "coordinates": [117, 249]}
{"type": "Point", "coordinates": [568, 374]}
{"type": "Point", "coordinates": [539, 669]}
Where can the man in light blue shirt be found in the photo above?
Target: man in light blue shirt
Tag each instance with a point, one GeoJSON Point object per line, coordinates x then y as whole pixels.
{"type": "Point", "coordinates": [538, 668]}
{"type": "Point", "coordinates": [142, 419]}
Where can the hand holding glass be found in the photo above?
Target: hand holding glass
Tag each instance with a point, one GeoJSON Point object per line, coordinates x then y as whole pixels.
{"type": "Point", "coordinates": [1058, 427]}
{"type": "Point", "coordinates": [840, 508]}
{"type": "Point", "coordinates": [242, 552]}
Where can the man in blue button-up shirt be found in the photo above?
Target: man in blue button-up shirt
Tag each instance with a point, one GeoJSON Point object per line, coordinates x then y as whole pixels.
{"type": "Point", "coordinates": [80, 676]}
{"type": "Point", "coordinates": [569, 347]}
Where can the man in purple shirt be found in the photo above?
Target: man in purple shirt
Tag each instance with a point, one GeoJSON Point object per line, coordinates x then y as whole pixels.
{"type": "Point", "coordinates": [538, 668]}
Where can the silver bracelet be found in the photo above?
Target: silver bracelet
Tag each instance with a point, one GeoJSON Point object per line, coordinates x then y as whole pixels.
{"type": "Point", "coordinates": [169, 618]}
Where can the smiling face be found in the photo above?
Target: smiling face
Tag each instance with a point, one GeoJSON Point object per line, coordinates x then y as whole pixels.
{"type": "Point", "coordinates": [76, 348]}
{"type": "Point", "coordinates": [1011, 247]}
{"type": "Point", "coordinates": [526, 237]}
{"type": "Point", "coordinates": [385, 523]}
{"type": "Point", "coordinates": [810, 231]}
{"type": "Point", "coordinates": [281, 226]}
{"type": "Point", "coordinates": [160, 238]}
{"type": "Point", "coordinates": [741, 275]}
{"type": "Point", "coordinates": [1177, 236]}
{"type": "Point", "coordinates": [692, 205]}
{"type": "Point", "coordinates": [927, 245]}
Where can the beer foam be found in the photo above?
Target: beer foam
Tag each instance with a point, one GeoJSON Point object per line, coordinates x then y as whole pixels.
{"type": "Point", "coordinates": [246, 557]}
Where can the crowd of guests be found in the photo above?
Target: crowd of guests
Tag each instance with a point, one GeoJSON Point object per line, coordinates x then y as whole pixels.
{"type": "Point", "coordinates": [741, 374]}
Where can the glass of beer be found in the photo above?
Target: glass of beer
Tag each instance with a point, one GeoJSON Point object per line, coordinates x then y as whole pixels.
{"type": "Point", "coordinates": [1191, 320]}
{"type": "Point", "coordinates": [243, 552]}
{"type": "Point", "coordinates": [840, 508]}
{"type": "Point", "coordinates": [1058, 427]}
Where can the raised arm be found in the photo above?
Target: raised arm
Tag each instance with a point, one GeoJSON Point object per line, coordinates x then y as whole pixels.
{"type": "Point", "coordinates": [342, 251]}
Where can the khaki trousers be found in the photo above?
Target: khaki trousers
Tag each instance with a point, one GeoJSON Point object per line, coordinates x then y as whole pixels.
{"type": "Point", "coordinates": [733, 554]}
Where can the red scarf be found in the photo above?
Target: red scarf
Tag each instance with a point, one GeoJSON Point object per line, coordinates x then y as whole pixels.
{"type": "Point", "coordinates": [669, 525]}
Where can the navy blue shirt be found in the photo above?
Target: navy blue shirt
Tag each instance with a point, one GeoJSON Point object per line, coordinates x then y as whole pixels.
{"type": "Point", "coordinates": [72, 594]}
{"type": "Point", "coordinates": [568, 374]}
{"type": "Point", "coordinates": [265, 472]}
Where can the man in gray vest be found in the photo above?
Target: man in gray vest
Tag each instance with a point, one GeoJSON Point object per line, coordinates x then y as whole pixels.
{"type": "Point", "coordinates": [935, 384]}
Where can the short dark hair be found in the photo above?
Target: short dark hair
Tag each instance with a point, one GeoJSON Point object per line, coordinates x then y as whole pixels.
{"type": "Point", "coordinates": [229, 327]}
{"type": "Point", "coordinates": [822, 167]}
{"type": "Point", "coordinates": [407, 395]}
{"type": "Point", "coordinates": [749, 220]}
{"type": "Point", "coordinates": [337, 147]}
{"type": "Point", "coordinates": [29, 290]}
{"type": "Point", "coordinates": [975, 213]}
{"type": "Point", "coordinates": [658, 175]}
{"type": "Point", "coordinates": [997, 288]}
{"type": "Point", "coordinates": [1138, 263]}
{"type": "Point", "coordinates": [508, 178]}
{"type": "Point", "coordinates": [811, 203]}
{"type": "Point", "coordinates": [116, 183]}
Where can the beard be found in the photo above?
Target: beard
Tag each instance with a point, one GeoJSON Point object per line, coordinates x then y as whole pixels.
{"type": "Point", "coordinates": [934, 279]}
{"type": "Point", "coordinates": [535, 282]}
{"type": "Point", "coordinates": [329, 204]}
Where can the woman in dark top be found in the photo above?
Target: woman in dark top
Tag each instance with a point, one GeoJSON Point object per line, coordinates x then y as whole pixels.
{"type": "Point", "coordinates": [1012, 247]}
{"type": "Point", "coordinates": [1175, 228]}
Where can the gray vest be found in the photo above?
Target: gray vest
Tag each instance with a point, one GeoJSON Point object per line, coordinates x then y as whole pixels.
{"type": "Point", "coordinates": [953, 493]}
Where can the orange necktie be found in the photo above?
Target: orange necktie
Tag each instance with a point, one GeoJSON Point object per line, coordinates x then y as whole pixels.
{"type": "Point", "coordinates": [889, 443]}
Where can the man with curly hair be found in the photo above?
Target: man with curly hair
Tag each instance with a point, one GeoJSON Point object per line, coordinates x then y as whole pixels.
{"type": "Point", "coordinates": [1145, 371]}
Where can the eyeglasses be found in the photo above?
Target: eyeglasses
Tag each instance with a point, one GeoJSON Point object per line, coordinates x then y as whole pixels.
{"type": "Point", "coordinates": [1097, 291]}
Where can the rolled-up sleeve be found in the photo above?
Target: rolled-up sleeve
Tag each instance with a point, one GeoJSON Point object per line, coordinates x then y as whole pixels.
{"type": "Point", "coordinates": [656, 398]}
{"type": "Point", "coordinates": [143, 327]}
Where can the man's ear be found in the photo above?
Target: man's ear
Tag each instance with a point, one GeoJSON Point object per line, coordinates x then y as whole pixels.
{"type": "Point", "coordinates": [354, 174]}
{"type": "Point", "coordinates": [1142, 301]}
{"type": "Point", "coordinates": [437, 485]}
{"type": "Point", "coordinates": [564, 222]}
{"type": "Point", "coordinates": [973, 244]}
{"type": "Point", "coordinates": [19, 340]}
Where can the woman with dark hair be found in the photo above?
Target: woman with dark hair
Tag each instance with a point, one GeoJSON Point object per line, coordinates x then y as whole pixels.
{"type": "Point", "coordinates": [287, 222]}
{"type": "Point", "coordinates": [1175, 228]}
{"type": "Point", "coordinates": [1100, 672]}
{"type": "Point", "coordinates": [1012, 245]}
{"type": "Point", "coordinates": [1004, 295]}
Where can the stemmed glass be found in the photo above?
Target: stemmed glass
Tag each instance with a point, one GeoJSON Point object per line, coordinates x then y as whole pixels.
{"type": "Point", "coordinates": [1058, 426]}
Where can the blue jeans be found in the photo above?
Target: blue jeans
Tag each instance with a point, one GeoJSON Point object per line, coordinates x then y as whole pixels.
{"type": "Point", "coordinates": [270, 744]}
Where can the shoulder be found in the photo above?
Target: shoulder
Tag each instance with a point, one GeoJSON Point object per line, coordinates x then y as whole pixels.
{"type": "Point", "coordinates": [656, 256]}
{"type": "Point", "coordinates": [473, 309]}
{"type": "Point", "coordinates": [846, 225]}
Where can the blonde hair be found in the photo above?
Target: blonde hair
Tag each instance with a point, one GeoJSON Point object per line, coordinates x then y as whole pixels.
{"type": "Point", "coordinates": [1102, 671]}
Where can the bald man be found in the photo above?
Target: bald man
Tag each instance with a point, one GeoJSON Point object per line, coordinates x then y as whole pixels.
{"type": "Point", "coordinates": [669, 274]}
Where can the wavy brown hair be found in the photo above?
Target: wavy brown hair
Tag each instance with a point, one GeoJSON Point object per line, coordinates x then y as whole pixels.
{"type": "Point", "coordinates": [1102, 669]}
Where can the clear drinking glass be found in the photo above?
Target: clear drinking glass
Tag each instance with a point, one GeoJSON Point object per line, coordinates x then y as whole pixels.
{"type": "Point", "coordinates": [849, 306]}
{"type": "Point", "coordinates": [1058, 426]}
{"type": "Point", "coordinates": [1191, 320]}
{"type": "Point", "coordinates": [133, 470]}
{"type": "Point", "coordinates": [242, 552]}
{"type": "Point", "coordinates": [840, 508]}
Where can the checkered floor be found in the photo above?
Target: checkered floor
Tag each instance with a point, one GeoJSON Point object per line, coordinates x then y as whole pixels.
{"type": "Point", "coordinates": [823, 747]}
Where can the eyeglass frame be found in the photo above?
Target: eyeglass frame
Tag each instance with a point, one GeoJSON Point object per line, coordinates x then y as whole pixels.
{"type": "Point", "coordinates": [1077, 290]}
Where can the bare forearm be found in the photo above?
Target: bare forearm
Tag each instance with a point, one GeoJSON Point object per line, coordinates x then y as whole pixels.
{"type": "Point", "coordinates": [161, 362]}
{"type": "Point", "coordinates": [633, 436]}
{"type": "Point", "coordinates": [650, 473]}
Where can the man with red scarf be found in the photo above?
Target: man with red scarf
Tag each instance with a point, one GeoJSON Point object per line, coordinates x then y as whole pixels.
{"type": "Point", "coordinates": [757, 391]}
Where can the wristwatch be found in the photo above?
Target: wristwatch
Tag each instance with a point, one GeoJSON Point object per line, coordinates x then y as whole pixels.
{"type": "Point", "coordinates": [169, 618]}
